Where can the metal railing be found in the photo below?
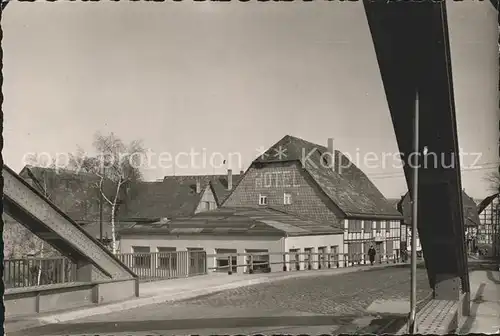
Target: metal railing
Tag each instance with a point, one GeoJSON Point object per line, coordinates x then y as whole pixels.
{"type": "Point", "coordinates": [32, 272]}
{"type": "Point", "coordinates": [165, 265]}
{"type": "Point", "coordinates": [169, 265]}
{"type": "Point", "coordinates": [293, 261]}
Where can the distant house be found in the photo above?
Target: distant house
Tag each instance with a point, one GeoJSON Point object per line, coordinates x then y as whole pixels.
{"type": "Point", "coordinates": [235, 230]}
{"type": "Point", "coordinates": [177, 196]}
{"type": "Point", "coordinates": [489, 229]}
{"type": "Point", "coordinates": [321, 184]}
{"type": "Point", "coordinates": [470, 213]}
{"type": "Point", "coordinates": [75, 193]}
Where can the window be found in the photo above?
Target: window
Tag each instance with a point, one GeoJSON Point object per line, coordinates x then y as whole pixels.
{"type": "Point", "coordinates": [322, 256]}
{"type": "Point", "coordinates": [354, 225]}
{"type": "Point", "coordinates": [142, 256]}
{"type": "Point", "coordinates": [167, 258]}
{"type": "Point", "coordinates": [222, 260]}
{"type": "Point", "coordinates": [262, 200]}
{"type": "Point", "coordinates": [287, 198]}
{"type": "Point", "coordinates": [368, 225]}
{"type": "Point", "coordinates": [260, 261]}
{"type": "Point", "coordinates": [294, 258]}
{"type": "Point", "coordinates": [206, 205]}
{"type": "Point", "coordinates": [403, 232]}
{"type": "Point", "coordinates": [388, 226]}
{"type": "Point", "coordinates": [378, 225]}
{"type": "Point", "coordinates": [334, 249]}
{"type": "Point", "coordinates": [212, 205]}
{"type": "Point", "coordinates": [307, 257]}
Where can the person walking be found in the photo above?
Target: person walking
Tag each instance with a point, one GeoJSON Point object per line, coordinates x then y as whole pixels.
{"type": "Point", "coordinates": [371, 254]}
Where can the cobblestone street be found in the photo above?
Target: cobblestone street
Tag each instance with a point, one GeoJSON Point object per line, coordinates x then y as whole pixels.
{"type": "Point", "coordinates": [327, 302]}
{"type": "Point", "coordinates": [342, 295]}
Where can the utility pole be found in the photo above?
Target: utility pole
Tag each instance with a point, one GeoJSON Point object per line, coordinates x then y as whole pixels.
{"type": "Point", "coordinates": [413, 297]}
{"type": "Point", "coordinates": [101, 208]}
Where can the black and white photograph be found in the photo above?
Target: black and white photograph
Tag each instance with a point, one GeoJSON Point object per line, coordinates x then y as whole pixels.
{"type": "Point", "coordinates": [319, 167]}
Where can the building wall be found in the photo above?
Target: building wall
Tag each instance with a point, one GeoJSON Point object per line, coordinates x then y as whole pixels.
{"type": "Point", "coordinates": [407, 238]}
{"type": "Point", "coordinates": [207, 199]}
{"type": "Point", "coordinates": [273, 180]}
{"type": "Point", "coordinates": [489, 229]}
{"type": "Point", "coordinates": [208, 243]}
{"type": "Point", "coordinates": [359, 234]}
{"type": "Point", "coordinates": [316, 244]}
{"type": "Point", "coordinates": [236, 244]}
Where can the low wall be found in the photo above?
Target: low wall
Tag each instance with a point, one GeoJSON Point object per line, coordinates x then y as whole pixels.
{"type": "Point", "coordinates": [43, 299]}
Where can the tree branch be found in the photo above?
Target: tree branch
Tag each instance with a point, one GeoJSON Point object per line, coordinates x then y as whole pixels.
{"type": "Point", "coordinates": [102, 192]}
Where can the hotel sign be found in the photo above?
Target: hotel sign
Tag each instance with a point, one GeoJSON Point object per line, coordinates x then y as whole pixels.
{"type": "Point", "coordinates": [277, 179]}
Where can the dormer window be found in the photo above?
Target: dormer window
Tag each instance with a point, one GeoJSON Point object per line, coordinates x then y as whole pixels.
{"type": "Point", "coordinates": [262, 200]}
{"type": "Point", "coordinates": [287, 198]}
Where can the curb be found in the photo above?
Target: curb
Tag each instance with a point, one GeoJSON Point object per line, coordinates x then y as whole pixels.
{"type": "Point", "coordinates": [146, 301]}
{"type": "Point", "coordinates": [126, 305]}
{"type": "Point", "coordinates": [169, 297]}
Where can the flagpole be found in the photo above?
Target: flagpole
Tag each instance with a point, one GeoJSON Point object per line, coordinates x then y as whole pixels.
{"type": "Point", "coordinates": [413, 297]}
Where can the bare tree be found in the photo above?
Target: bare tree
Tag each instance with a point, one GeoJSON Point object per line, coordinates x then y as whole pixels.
{"type": "Point", "coordinates": [493, 180]}
{"type": "Point", "coordinates": [115, 163]}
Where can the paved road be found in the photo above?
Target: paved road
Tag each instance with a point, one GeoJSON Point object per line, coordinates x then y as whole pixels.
{"type": "Point", "coordinates": [325, 304]}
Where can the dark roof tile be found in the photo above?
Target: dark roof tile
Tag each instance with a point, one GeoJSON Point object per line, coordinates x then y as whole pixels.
{"type": "Point", "coordinates": [175, 196]}
{"type": "Point", "coordinates": [238, 220]}
{"type": "Point", "coordinates": [351, 190]}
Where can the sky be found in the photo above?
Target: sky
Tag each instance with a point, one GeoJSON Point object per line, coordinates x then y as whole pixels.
{"type": "Point", "coordinates": [228, 78]}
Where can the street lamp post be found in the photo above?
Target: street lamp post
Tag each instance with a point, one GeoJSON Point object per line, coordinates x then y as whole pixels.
{"type": "Point", "coordinates": [413, 297]}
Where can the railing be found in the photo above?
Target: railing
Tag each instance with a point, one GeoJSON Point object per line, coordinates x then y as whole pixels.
{"type": "Point", "coordinates": [38, 271]}
{"type": "Point", "coordinates": [165, 265]}
{"type": "Point", "coordinates": [292, 261]}
{"type": "Point", "coordinates": [170, 265]}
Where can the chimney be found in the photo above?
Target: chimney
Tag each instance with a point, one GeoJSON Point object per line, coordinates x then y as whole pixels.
{"type": "Point", "coordinates": [229, 179]}
{"type": "Point", "coordinates": [198, 185]}
{"type": "Point", "coordinates": [331, 159]}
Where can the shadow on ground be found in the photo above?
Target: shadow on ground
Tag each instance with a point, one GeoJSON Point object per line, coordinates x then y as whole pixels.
{"type": "Point", "coordinates": [379, 325]}
{"type": "Point", "coordinates": [185, 324]}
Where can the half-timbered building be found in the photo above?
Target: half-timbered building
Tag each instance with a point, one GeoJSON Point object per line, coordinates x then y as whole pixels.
{"type": "Point", "coordinates": [322, 184]}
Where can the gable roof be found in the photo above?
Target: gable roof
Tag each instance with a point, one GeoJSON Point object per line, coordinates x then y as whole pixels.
{"type": "Point", "coordinates": [484, 203]}
{"type": "Point", "coordinates": [470, 210]}
{"type": "Point", "coordinates": [236, 221]}
{"type": "Point", "coordinates": [173, 197]}
{"type": "Point", "coordinates": [351, 190]}
{"type": "Point", "coordinates": [168, 198]}
{"type": "Point", "coordinates": [219, 185]}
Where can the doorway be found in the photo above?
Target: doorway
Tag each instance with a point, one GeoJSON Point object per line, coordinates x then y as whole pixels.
{"type": "Point", "coordinates": [197, 261]}
{"type": "Point", "coordinates": [379, 248]}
